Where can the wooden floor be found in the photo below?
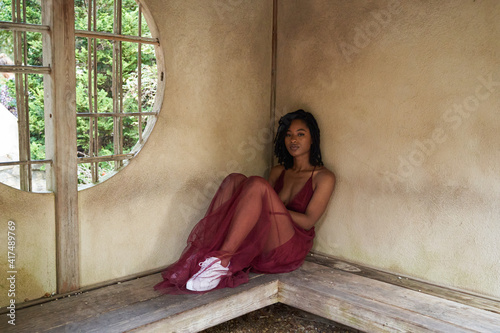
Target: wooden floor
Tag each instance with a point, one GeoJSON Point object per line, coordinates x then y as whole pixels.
{"type": "Point", "coordinates": [362, 298]}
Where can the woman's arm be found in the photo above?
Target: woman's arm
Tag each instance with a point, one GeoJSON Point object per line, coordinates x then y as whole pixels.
{"type": "Point", "coordinates": [275, 174]}
{"type": "Point", "coordinates": [325, 181]}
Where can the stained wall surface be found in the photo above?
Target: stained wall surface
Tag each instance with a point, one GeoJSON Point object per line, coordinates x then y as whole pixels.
{"type": "Point", "coordinates": [407, 94]}
{"type": "Point", "coordinates": [29, 218]}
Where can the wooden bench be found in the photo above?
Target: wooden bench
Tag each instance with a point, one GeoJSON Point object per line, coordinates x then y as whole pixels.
{"type": "Point", "coordinates": [359, 297]}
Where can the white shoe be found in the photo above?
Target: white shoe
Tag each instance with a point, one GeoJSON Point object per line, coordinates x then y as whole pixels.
{"type": "Point", "coordinates": [209, 275]}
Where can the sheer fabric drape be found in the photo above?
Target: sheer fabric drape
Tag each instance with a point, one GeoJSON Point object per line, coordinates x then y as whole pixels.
{"type": "Point", "coordinates": [246, 218]}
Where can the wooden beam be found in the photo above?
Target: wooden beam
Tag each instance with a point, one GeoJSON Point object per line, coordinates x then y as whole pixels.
{"type": "Point", "coordinates": [24, 69]}
{"type": "Point", "coordinates": [14, 26]}
{"type": "Point", "coordinates": [274, 56]}
{"type": "Point", "coordinates": [119, 37]}
{"type": "Point", "coordinates": [26, 162]}
{"type": "Point", "coordinates": [115, 114]}
{"type": "Point", "coordinates": [60, 122]}
{"type": "Point", "coordinates": [119, 157]}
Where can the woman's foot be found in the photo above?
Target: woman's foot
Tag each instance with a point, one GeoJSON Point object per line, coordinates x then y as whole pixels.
{"type": "Point", "coordinates": [209, 275]}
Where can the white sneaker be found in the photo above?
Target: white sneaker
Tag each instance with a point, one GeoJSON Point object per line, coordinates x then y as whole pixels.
{"type": "Point", "coordinates": [209, 275]}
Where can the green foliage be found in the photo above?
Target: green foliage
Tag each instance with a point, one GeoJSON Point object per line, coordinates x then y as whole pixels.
{"type": "Point", "coordinates": [103, 97]}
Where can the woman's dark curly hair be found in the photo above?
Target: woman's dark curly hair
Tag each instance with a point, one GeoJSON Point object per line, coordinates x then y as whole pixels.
{"type": "Point", "coordinates": [280, 151]}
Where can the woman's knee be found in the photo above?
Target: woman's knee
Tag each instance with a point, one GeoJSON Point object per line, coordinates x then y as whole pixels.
{"type": "Point", "coordinates": [257, 183]}
{"type": "Point", "coordinates": [233, 179]}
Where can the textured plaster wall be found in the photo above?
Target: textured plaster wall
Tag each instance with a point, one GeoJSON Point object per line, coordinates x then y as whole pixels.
{"type": "Point", "coordinates": [35, 263]}
{"type": "Point", "coordinates": [214, 120]}
{"type": "Point", "coordinates": [407, 95]}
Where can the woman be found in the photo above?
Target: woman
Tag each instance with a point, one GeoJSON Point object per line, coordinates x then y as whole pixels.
{"type": "Point", "coordinates": [258, 225]}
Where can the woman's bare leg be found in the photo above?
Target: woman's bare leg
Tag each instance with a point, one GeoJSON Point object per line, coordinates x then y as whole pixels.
{"type": "Point", "coordinates": [247, 214]}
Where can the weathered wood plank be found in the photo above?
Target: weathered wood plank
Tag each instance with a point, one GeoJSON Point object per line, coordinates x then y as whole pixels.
{"type": "Point", "coordinates": [353, 300]}
{"type": "Point", "coordinates": [182, 313]}
{"type": "Point", "coordinates": [216, 312]}
{"type": "Point", "coordinates": [371, 305]}
{"type": "Point", "coordinates": [86, 305]}
{"type": "Point", "coordinates": [470, 299]}
{"type": "Point", "coordinates": [132, 304]}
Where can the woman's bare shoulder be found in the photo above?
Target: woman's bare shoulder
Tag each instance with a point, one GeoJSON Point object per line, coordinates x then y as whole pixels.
{"type": "Point", "coordinates": [275, 173]}
{"type": "Point", "coordinates": [277, 169]}
{"type": "Point", "coordinates": [323, 175]}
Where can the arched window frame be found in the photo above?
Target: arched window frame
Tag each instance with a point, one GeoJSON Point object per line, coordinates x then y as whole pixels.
{"type": "Point", "coordinates": [59, 70]}
{"type": "Point", "coordinates": [21, 70]}
{"type": "Point", "coordinates": [117, 38]}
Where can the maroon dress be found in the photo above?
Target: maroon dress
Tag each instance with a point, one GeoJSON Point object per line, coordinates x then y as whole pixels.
{"type": "Point", "coordinates": [275, 244]}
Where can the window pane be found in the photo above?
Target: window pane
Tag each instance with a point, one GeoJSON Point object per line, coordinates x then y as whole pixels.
{"type": "Point", "coordinates": [33, 10]}
{"type": "Point", "coordinates": [145, 29]}
{"type": "Point", "coordinates": [81, 18]}
{"type": "Point", "coordinates": [9, 134]}
{"type": "Point", "coordinates": [36, 116]}
{"type": "Point", "coordinates": [9, 175]}
{"type": "Point", "coordinates": [34, 48]}
{"type": "Point", "coordinates": [105, 10]}
{"type": "Point", "coordinates": [105, 168]}
{"type": "Point", "coordinates": [130, 18]}
{"type": "Point", "coordinates": [149, 77]}
{"type": "Point", "coordinates": [131, 78]}
{"type": "Point", "coordinates": [105, 131]}
{"type": "Point", "coordinates": [38, 174]}
{"type": "Point", "coordinates": [104, 14]}
{"type": "Point", "coordinates": [104, 76]}
{"type": "Point", "coordinates": [82, 136]}
{"type": "Point", "coordinates": [7, 43]}
{"type": "Point", "coordinates": [130, 133]}
{"type": "Point", "coordinates": [84, 174]}
{"type": "Point", "coordinates": [6, 10]}
{"type": "Point", "coordinates": [8, 89]}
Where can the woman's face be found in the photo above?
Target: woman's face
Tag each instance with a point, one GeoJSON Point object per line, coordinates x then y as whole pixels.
{"type": "Point", "coordinates": [298, 138]}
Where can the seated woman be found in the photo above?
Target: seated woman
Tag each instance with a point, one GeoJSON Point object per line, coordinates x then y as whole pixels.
{"type": "Point", "coordinates": [258, 225]}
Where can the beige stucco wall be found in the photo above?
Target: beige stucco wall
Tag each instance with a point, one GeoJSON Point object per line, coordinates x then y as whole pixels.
{"type": "Point", "coordinates": [407, 95]}
{"type": "Point", "coordinates": [35, 248]}
{"type": "Point", "coordinates": [216, 102]}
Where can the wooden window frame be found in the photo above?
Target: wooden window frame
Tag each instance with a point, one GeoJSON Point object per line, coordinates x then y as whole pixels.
{"type": "Point", "coordinates": [59, 70]}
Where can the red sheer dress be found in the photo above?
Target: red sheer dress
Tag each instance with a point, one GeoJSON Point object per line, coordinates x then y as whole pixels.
{"type": "Point", "coordinates": [272, 242]}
